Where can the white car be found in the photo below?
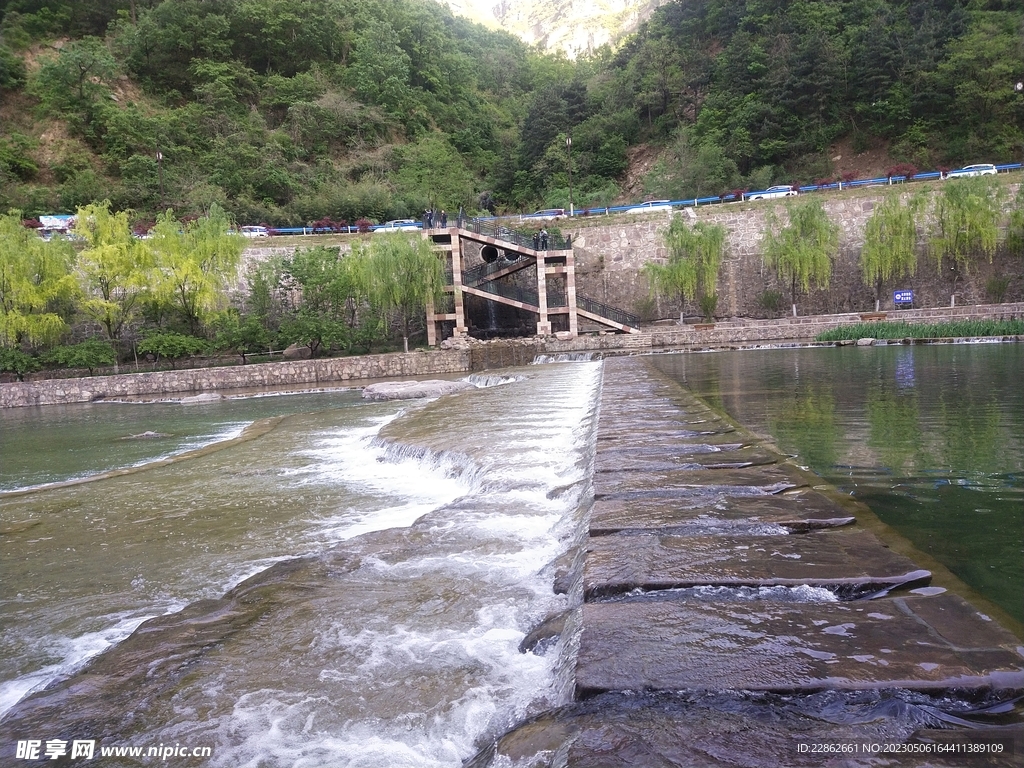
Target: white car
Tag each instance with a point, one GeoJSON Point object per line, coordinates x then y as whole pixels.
{"type": "Point", "coordinates": [547, 214]}
{"type": "Point", "coordinates": [779, 190]}
{"type": "Point", "coordinates": [398, 225]}
{"type": "Point", "coordinates": [254, 232]}
{"type": "Point", "coordinates": [979, 169]}
{"type": "Point", "coordinates": [651, 205]}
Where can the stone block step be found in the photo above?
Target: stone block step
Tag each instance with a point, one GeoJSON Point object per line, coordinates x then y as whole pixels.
{"type": "Point", "coordinates": [798, 510]}
{"type": "Point", "coordinates": [665, 458]}
{"type": "Point", "coordinates": [937, 642]}
{"type": "Point", "coordinates": [755, 481]}
{"type": "Point", "coordinates": [851, 562]}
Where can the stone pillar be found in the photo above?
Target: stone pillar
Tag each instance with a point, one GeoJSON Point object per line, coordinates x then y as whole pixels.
{"type": "Point", "coordinates": [460, 309]}
{"type": "Point", "coordinates": [570, 292]}
{"type": "Point", "coordinates": [543, 324]}
{"type": "Point", "coordinates": [431, 325]}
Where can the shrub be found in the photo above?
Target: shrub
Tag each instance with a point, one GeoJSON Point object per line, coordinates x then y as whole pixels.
{"type": "Point", "coordinates": [902, 169]}
{"type": "Point", "coordinates": [89, 354]}
{"type": "Point", "coordinates": [646, 308]}
{"type": "Point", "coordinates": [171, 345]}
{"type": "Point", "coordinates": [771, 301]}
{"type": "Point", "coordinates": [17, 362]}
{"type": "Point", "coordinates": [996, 289]}
{"type": "Point", "coordinates": [950, 330]}
{"type": "Point", "coordinates": [708, 305]}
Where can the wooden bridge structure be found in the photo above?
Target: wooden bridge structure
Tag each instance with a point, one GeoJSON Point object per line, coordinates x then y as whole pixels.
{"type": "Point", "coordinates": [535, 272]}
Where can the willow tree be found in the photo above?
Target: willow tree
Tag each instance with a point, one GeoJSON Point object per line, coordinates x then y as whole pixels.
{"type": "Point", "coordinates": [802, 251]}
{"type": "Point", "coordinates": [965, 225]}
{"type": "Point", "coordinates": [694, 256]}
{"type": "Point", "coordinates": [890, 242]}
{"type": "Point", "coordinates": [35, 282]}
{"type": "Point", "coordinates": [194, 263]}
{"type": "Point", "coordinates": [115, 268]}
{"type": "Point", "coordinates": [399, 276]}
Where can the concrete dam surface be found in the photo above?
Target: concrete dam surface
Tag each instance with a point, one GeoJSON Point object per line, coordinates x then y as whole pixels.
{"type": "Point", "coordinates": [734, 615]}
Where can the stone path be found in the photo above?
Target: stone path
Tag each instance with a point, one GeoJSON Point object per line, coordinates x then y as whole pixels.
{"type": "Point", "coordinates": [725, 619]}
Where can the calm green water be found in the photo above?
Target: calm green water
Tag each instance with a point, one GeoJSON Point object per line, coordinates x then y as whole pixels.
{"type": "Point", "coordinates": [930, 437]}
{"type": "Point", "coordinates": [56, 443]}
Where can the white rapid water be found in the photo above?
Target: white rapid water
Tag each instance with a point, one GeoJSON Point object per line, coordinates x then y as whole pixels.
{"type": "Point", "coordinates": [430, 530]}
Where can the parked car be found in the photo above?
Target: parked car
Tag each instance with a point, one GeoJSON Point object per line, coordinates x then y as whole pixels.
{"type": "Point", "coordinates": [978, 169]}
{"type": "Point", "coordinates": [651, 205]}
{"type": "Point", "coordinates": [398, 225]}
{"type": "Point", "coordinates": [779, 190]}
{"type": "Point", "coordinates": [547, 214]}
{"type": "Point", "coordinates": [254, 231]}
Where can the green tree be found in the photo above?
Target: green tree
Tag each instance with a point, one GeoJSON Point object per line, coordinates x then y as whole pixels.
{"type": "Point", "coordinates": [691, 169]}
{"type": "Point", "coordinates": [965, 225]}
{"type": "Point", "coordinates": [695, 254]}
{"type": "Point", "coordinates": [400, 275]}
{"type": "Point", "coordinates": [17, 362]}
{"type": "Point", "coordinates": [75, 82]}
{"type": "Point", "coordinates": [380, 68]}
{"type": "Point", "coordinates": [115, 267]}
{"type": "Point", "coordinates": [330, 290]}
{"type": "Point", "coordinates": [1015, 225]}
{"type": "Point", "coordinates": [431, 171]}
{"type": "Point", "coordinates": [195, 262]}
{"type": "Point", "coordinates": [171, 345]}
{"type": "Point", "coordinates": [89, 354]}
{"type": "Point", "coordinates": [890, 241]}
{"type": "Point", "coordinates": [12, 69]}
{"type": "Point", "coordinates": [35, 278]}
{"type": "Point", "coordinates": [802, 251]}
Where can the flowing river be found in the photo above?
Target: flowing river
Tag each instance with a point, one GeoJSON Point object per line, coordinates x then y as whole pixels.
{"type": "Point", "coordinates": [347, 583]}
{"type": "Point", "coordinates": [428, 530]}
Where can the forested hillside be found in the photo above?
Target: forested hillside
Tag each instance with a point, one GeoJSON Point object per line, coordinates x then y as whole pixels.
{"type": "Point", "coordinates": [290, 111]}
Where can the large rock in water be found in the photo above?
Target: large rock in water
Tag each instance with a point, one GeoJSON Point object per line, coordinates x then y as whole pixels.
{"type": "Point", "coordinates": [408, 390]}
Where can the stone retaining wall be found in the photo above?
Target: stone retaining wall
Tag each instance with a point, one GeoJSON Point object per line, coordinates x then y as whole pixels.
{"type": "Point", "coordinates": [195, 381]}
{"type": "Point", "coordinates": [468, 356]}
{"type": "Point", "coordinates": [611, 252]}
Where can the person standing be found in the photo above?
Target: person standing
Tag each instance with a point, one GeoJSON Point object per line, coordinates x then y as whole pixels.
{"type": "Point", "coordinates": [444, 219]}
{"type": "Point", "coordinates": [543, 239]}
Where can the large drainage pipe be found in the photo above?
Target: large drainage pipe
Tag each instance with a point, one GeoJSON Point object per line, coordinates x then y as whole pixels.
{"type": "Point", "coordinates": [489, 253]}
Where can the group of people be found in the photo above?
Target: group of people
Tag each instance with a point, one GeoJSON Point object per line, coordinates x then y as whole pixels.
{"type": "Point", "coordinates": [432, 218]}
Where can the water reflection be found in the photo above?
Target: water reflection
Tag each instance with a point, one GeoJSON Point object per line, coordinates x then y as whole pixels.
{"type": "Point", "coordinates": [805, 424]}
{"type": "Point", "coordinates": [895, 430]}
{"type": "Point", "coordinates": [930, 437]}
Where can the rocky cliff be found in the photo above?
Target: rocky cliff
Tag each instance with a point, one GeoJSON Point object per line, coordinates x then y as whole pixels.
{"type": "Point", "coordinates": [575, 27]}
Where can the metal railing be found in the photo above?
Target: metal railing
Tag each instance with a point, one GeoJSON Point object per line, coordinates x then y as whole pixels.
{"type": "Point", "coordinates": [481, 272]}
{"type": "Point", "coordinates": [557, 297]}
{"type": "Point", "coordinates": [535, 240]}
{"type": "Point", "coordinates": [619, 316]}
{"type": "Point", "coordinates": [512, 292]}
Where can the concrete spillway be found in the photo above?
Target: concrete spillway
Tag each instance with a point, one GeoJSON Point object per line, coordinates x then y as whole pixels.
{"type": "Point", "coordinates": [732, 614]}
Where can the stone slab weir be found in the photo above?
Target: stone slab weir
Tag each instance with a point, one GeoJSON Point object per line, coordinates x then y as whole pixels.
{"type": "Point", "coordinates": [715, 576]}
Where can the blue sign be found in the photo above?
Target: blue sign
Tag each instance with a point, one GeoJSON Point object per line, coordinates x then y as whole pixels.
{"type": "Point", "coordinates": [903, 297]}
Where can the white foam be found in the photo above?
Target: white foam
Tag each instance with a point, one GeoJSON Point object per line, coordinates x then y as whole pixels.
{"type": "Point", "coordinates": [72, 653]}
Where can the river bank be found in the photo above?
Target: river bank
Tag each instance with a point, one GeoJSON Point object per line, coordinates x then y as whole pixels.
{"type": "Point", "coordinates": [464, 356]}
